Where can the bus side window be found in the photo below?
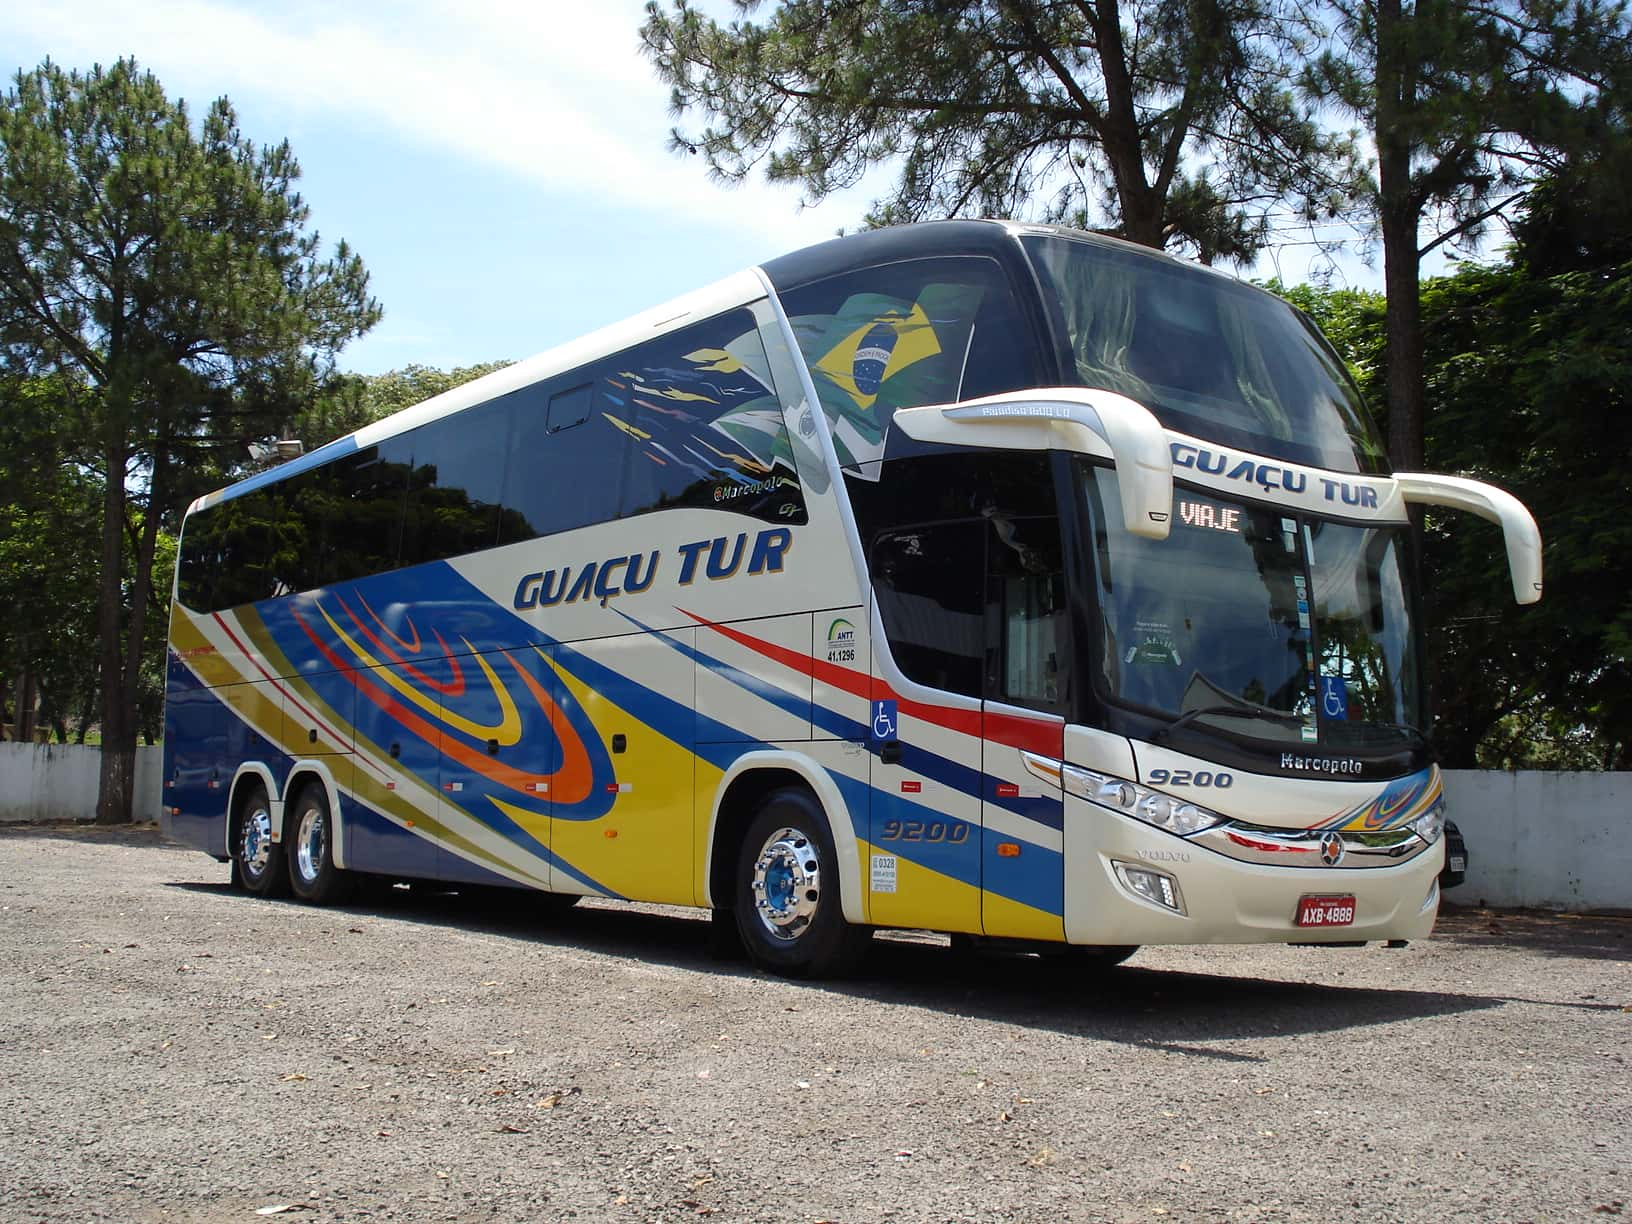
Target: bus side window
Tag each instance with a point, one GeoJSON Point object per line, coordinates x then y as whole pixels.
{"type": "Point", "coordinates": [453, 497]}
{"type": "Point", "coordinates": [705, 426]}
{"type": "Point", "coordinates": [563, 464]}
{"type": "Point", "coordinates": [927, 581]}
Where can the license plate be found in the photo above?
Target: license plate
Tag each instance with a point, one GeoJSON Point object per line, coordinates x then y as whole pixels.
{"type": "Point", "coordinates": [1458, 863]}
{"type": "Point", "coordinates": [1325, 911]}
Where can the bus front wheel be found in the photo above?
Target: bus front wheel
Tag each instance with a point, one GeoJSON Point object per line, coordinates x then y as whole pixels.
{"type": "Point", "coordinates": [258, 859]}
{"type": "Point", "coordinates": [309, 844]}
{"type": "Point", "coordinates": [787, 892]}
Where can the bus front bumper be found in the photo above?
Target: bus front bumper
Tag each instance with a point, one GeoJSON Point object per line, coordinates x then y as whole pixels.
{"type": "Point", "coordinates": [1114, 892]}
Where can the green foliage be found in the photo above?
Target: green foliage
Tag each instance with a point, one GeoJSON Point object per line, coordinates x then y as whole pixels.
{"type": "Point", "coordinates": [1175, 120]}
{"type": "Point", "coordinates": [164, 272]}
{"type": "Point", "coordinates": [383, 394]}
{"type": "Point", "coordinates": [1531, 387]}
{"type": "Point", "coordinates": [1470, 104]}
{"type": "Point", "coordinates": [49, 527]}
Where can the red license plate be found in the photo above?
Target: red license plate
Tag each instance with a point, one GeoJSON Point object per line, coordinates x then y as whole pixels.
{"type": "Point", "coordinates": [1325, 911]}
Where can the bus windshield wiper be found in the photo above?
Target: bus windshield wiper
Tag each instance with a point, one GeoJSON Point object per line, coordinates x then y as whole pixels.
{"type": "Point", "coordinates": [1257, 712]}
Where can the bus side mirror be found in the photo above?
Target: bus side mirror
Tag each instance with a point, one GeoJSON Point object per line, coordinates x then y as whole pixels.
{"type": "Point", "coordinates": [1519, 528]}
{"type": "Point", "coordinates": [1135, 438]}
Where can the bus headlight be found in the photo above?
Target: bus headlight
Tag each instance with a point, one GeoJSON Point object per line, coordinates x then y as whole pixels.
{"type": "Point", "coordinates": [1431, 824]}
{"type": "Point", "coordinates": [1173, 815]}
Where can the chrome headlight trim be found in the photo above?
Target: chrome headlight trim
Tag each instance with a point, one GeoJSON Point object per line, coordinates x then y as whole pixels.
{"type": "Point", "coordinates": [1158, 809]}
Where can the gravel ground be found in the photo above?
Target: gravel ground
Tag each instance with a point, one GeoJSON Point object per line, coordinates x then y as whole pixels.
{"type": "Point", "coordinates": [173, 1050]}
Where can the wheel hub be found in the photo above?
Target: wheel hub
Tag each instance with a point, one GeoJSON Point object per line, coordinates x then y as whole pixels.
{"type": "Point", "coordinates": [787, 883]}
{"type": "Point", "coordinates": [257, 841]}
{"type": "Point", "coordinates": [309, 845]}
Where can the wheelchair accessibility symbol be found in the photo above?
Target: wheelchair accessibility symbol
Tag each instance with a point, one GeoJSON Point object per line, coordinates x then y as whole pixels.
{"type": "Point", "coordinates": [884, 724]}
{"type": "Point", "coordinates": [1334, 698]}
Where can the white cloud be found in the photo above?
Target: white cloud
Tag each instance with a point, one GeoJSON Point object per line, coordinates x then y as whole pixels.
{"type": "Point", "coordinates": [556, 94]}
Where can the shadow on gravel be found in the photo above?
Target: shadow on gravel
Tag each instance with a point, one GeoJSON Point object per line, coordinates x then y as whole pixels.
{"type": "Point", "coordinates": [1167, 1009]}
{"type": "Point", "coordinates": [1594, 936]}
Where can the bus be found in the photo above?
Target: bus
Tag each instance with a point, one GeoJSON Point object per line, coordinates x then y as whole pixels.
{"type": "Point", "coordinates": [976, 577]}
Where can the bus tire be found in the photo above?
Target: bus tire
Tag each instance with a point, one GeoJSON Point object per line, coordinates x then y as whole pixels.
{"type": "Point", "coordinates": [309, 847]}
{"type": "Point", "coordinates": [256, 858]}
{"type": "Point", "coordinates": [787, 895]}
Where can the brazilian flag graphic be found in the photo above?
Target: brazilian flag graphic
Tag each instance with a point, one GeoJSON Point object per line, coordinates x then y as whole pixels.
{"type": "Point", "coordinates": [880, 353]}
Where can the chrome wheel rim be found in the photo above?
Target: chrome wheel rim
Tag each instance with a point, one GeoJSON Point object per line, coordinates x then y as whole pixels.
{"type": "Point", "coordinates": [255, 841]}
{"type": "Point", "coordinates": [311, 843]}
{"type": "Point", "coordinates": [786, 884]}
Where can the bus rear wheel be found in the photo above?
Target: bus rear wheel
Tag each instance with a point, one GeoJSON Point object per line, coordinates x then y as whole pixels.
{"type": "Point", "coordinates": [257, 858]}
{"type": "Point", "coordinates": [309, 842]}
{"type": "Point", "coordinates": [788, 905]}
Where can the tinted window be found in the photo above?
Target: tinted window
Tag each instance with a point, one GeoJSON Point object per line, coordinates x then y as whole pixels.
{"type": "Point", "coordinates": [372, 487]}
{"type": "Point", "coordinates": [705, 426]}
{"type": "Point", "coordinates": [1027, 610]}
{"type": "Point", "coordinates": [927, 583]}
{"type": "Point", "coordinates": [968, 574]}
{"type": "Point", "coordinates": [1208, 355]}
{"type": "Point", "coordinates": [564, 462]}
{"type": "Point", "coordinates": [904, 334]}
{"type": "Point", "coordinates": [458, 476]}
{"type": "Point", "coordinates": [242, 550]}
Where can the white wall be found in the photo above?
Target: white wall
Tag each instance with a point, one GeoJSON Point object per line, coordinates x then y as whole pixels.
{"type": "Point", "coordinates": [1553, 840]}
{"type": "Point", "coordinates": [58, 782]}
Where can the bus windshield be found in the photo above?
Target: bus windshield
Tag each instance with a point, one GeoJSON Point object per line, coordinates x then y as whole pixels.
{"type": "Point", "coordinates": [1256, 620]}
{"type": "Point", "coordinates": [1209, 356]}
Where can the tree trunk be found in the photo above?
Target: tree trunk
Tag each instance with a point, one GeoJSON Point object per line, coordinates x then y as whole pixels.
{"type": "Point", "coordinates": [25, 707]}
{"type": "Point", "coordinates": [116, 783]}
{"type": "Point", "coordinates": [1397, 214]}
{"type": "Point", "coordinates": [1140, 205]}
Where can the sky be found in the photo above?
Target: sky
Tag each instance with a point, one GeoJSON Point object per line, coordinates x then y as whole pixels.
{"type": "Point", "coordinates": [502, 166]}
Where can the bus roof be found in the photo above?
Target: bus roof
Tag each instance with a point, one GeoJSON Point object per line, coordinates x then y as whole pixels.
{"type": "Point", "coordinates": [834, 257]}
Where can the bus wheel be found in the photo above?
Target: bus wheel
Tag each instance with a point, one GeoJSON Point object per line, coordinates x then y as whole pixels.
{"type": "Point", "coordinates": [787, 894]}
{"type": "Point", "coordinates": [258, 859]}
{"type": "Point", "coordinates": [310, 848]}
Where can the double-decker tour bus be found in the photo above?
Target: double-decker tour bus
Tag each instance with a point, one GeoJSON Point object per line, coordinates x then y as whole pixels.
{"type": "Point", "coordinates": [977, 577]}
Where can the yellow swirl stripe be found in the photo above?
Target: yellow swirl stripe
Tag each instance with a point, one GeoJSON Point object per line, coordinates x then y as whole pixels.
{"type": "Point", "coordinates": [506, 732]}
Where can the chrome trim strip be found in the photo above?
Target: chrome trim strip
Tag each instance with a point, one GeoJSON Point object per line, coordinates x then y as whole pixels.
{"type": "Point", "coordinates": [1302, 847]}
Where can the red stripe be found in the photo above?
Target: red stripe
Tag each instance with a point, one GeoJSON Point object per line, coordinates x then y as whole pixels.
{"type": "Point", "coordinates": [1031, 734]}
{"type": "Point", "coordinates": [857, 685]}
{"type": "Point", "coordinates": [225, 628]}
{"type": "Point", "coordinates": [436, 737]}
{"type": "Point", "coordinates": [1046, 736]}
{"type": "Point", "coordinates": [456, 688]}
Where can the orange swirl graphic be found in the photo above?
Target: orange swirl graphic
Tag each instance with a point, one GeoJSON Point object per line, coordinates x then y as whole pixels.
{"type": "Point", "coordinates": [410, 647]}
{"type": "Point", "coordinates": [523, 782]}
{"type": "Point", "coordinates": [454, 687]}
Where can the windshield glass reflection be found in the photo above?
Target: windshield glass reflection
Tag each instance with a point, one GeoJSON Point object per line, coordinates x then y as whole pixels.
{"type": "Point", "coordinates": [1211, 357]}
{"type": "Point", "coordinates": [1255, 621]}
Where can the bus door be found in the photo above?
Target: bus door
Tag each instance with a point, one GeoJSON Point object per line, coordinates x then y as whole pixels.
{"type": "Point", "coordinates": [1022, 859]}
{"type": "Point", "coordinates": [924, 859]}
{"type": "Point", "coordinates": [1028, 640]}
